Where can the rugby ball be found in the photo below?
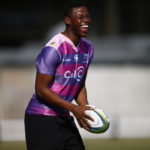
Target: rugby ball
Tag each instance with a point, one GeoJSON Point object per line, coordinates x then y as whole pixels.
{"type": "Point", "coordinates": [101, 121]}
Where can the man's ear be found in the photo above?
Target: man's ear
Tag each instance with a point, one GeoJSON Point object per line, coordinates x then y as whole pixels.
{"type": "Point", "coordinates": [67, 20]}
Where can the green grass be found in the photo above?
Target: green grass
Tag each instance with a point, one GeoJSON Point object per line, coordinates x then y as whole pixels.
{"type": "Point", "coordinates": [118, 144]}
{"type": "Point", "coordinates": [94, 144]}
{"type": "Point", "coordinates": [12, 146]}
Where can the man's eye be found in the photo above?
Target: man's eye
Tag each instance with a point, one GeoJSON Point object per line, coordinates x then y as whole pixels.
{"type": "Point", "coordinates": [84, 17]}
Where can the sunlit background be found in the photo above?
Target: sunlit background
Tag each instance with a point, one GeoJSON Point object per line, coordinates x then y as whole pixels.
{"type": "Point", "coordinates": [118, 80]}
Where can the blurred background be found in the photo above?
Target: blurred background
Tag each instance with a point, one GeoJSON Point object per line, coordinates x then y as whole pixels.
{"type": "Point", "coordinates": [119, 77]}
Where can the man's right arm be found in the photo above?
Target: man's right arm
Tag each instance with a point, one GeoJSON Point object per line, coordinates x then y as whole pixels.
{"type": "Point", "coordinates": [43, 91]}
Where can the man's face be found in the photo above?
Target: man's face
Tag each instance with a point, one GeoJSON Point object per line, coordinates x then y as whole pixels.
{"type": "Point", "coordinates": [80, 21]}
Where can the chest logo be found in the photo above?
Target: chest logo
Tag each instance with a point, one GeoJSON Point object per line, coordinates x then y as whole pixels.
{"type": "Point", "coordinates": [76, 74]}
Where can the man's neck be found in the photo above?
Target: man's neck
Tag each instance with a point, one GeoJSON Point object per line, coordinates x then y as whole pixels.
{"type": "Point", "coordinates": [72, 37]}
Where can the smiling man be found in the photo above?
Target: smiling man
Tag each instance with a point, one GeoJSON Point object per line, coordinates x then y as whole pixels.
{"type": "Point", "coordinates": [61, 73]}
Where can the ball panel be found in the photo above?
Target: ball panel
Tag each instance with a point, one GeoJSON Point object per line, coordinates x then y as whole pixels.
{"type": "Point", "coordinates": [103, 117]}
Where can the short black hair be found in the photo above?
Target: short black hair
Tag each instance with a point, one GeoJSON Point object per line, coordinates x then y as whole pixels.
{"type": "Point", "coordinates": [70, 5]}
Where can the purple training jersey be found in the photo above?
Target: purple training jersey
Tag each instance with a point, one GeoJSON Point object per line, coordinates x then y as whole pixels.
{"type": "Point", "coordinates": [68, 64]}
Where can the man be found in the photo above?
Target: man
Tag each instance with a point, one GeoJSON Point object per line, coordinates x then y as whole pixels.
{"type": "Point", "coordinates": [61, 73]}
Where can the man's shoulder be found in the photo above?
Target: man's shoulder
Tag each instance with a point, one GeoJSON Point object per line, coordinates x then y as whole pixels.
{"type": "Point", "coordinates": [55, 41]}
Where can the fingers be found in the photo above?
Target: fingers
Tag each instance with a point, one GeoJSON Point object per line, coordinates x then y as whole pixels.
{"type": "Point", "coordinates": [82, 117]}
{"type": "Point", "coordinates": [80, 123]}
{"type": "Point", "coordinates": [83, 123]}
{"type": "Point", "coordinates": [88, 108]}
{"type": "Point", "coordinates": [89, 117]}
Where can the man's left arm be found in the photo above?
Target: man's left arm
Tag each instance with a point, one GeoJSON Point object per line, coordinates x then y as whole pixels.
{"type": "Point", "coordinates": [81, 97]}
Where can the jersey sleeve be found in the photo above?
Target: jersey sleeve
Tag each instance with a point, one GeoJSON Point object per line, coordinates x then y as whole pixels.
{"type": "Point", "coordinates": [48, 60]}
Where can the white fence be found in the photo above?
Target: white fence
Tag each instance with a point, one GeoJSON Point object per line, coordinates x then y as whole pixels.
{"type": "Point", "coordinates": [122, 91]}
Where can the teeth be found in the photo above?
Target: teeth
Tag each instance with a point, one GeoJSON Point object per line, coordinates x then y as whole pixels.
{"type": "Point", "coordinates": [84, 26]}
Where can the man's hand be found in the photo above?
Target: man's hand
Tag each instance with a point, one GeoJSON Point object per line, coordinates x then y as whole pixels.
{"type": "Point", "coordinates": [81, 116]}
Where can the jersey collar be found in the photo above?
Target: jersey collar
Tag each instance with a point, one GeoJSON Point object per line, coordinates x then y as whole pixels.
{"type": "Point", "coordinates": [70, 42]}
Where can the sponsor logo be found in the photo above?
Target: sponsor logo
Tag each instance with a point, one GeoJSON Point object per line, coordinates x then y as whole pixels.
{"type": "Point", "coordinates": [66, 60]}
{"type": "Point", "coordinates": [85, 58]}
{"type": "Point", "coordinates": [52, 43]}
{"type": "Point", "coordinates": [76, 74]}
